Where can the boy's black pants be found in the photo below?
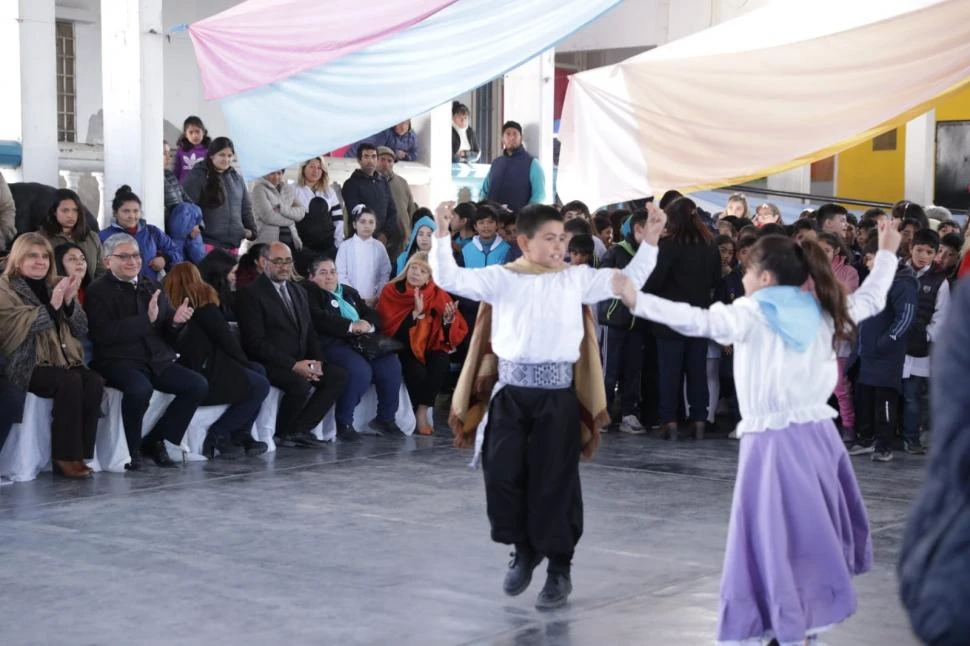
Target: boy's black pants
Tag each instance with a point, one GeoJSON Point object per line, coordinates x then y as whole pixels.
{"type": "Point", "coordinates": [531, 464]}
{"type": "Point", "coordinates": [876, 415]}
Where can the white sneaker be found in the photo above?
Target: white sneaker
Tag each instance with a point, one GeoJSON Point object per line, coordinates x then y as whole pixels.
{"type": "Point", "coordinates": [630, 424]}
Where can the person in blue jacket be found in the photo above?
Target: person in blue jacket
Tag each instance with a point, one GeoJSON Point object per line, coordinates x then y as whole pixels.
{"type": "Point", "coordinates": [400, 138]}
{"type": "Point", "coordinates": [878, 357]}
{"type": "Point", "coordinates": [487, 247]}
{"type": "Point", "coordinates": [158, 251]}
{"type": "Point", "coordinates": [420, 241]}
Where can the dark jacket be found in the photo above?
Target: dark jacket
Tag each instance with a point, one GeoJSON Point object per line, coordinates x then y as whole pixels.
{"type": "Point", "coordinates": [374, 191]}
{"type": "Point", "coordinates": [475, 151]}
{"type": "Point", "coordinates": [33, 200]}
{"type": "Point", "coordinates": [934, 568]}
{"type": "Point", "coordinates": [880, 348]}
{"type": "Point", "coordinates": [224, 224]}
{"type": "Point", "coordinates": [208, 347]}
{"type": "Point", "coordinates": [684, 274]}
{"type": "Point", "coordinates": [918, 343]}
{"type": "Point", "coordinates": [325, 313]}
{"type": "Point", "coordinates": [269, 334]}
{"type": "Point", "coordinates": [730, 287]}
{"type": "Point", "coordinates": [317, 229]}
{"type": "Point", "coordinates": [119, 327]}
{"type": "Point", "coordinates": [508, 179]}
{"type": "Point", "coordinates": [613, 313]}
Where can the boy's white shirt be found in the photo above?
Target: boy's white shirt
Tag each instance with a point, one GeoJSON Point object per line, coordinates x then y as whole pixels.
{"type": "Point", "coordinates": [364, 265]}
{"type": "Point", "coordinates": [536, 318]}
{"type": "Point", "coordinates": [776, 386]}
{"type": "Point", "coordinates": [920, 366]}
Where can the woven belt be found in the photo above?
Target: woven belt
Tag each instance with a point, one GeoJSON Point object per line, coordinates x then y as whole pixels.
{"type": "Point", "coordinates": [548, 376]}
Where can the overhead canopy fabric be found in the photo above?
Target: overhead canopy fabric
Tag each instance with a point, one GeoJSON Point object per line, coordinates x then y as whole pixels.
{"type": "Point", "coordinates": [774, 89]}
{"type": "Point", "coordinates": [346, 98]}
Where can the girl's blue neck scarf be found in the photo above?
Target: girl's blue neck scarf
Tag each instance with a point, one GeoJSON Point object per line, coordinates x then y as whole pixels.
{"type": "Point", "coordinates": [347, 310]}
{"type": "Point", "coordinates": [793, 314]}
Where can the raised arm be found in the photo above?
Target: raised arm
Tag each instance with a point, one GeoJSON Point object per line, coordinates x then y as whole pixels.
{"type": "Point", "coordinates": [870, 298]}
{"type": "Point", "coordinates": [476, 284]}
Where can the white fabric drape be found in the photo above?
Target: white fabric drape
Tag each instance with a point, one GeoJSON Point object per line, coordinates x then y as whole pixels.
{"type": "Point", "coordinates": [771, 90]}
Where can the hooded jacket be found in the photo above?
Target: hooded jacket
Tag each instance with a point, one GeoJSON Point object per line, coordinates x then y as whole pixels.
{"type": "Point", "coordinates": [152, 242]}
{"type": "Point", "coordinates": [412, 245]}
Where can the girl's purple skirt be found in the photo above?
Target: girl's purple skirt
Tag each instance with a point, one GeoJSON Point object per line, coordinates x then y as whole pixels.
{"type": "Point", "coordinates": [798, 534]}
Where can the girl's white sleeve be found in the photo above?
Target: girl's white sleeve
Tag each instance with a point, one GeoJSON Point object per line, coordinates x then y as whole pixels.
{"type": "Point", "coordinates": [726, 324]}
{"type": "Point", "coordinates": [343, 266]}
{"type": "Point", "coordinates": [870, 298]}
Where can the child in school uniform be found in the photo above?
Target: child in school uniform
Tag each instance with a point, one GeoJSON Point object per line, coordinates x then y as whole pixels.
{"type": "Point", "coordinates": [798, 527]}
{"type": "Point", "coordinates": [487, 248]}
{"type": "Point", "coordinates": [536, 424]}
{"type": "Point", "coordinates": [362, 261]}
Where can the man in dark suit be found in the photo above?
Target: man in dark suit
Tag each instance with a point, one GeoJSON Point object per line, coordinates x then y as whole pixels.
{"type": "Point", "coordinates": [133, 326]}
{"type": "Point", "coordinates": [276, 330]}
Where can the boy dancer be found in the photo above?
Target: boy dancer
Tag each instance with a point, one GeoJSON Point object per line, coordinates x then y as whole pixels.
{"type": "Point", "coordinates": [533, 433]}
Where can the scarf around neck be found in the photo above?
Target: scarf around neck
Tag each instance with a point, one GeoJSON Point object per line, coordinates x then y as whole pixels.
{"type": "Point", "coordinates": [793, 314]}
{"type": "Point", "coordinates": [347, 310]}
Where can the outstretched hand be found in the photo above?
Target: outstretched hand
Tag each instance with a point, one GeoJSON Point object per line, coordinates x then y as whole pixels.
{"type": "Point", "coordinates": [624, 289]}
{"type": "Point", "coordinates": [889, 236]}
{"type": "Point", "coordinates": [442, 219]}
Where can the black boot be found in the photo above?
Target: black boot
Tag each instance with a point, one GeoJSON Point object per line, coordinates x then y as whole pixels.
{"type": "Point", "coordinates": [555, 592]}
{"type": "Point", "coordinates": [250, 446]}
{"type": "Point", "coordinates": [155, 449]}
{"type": "Point", "coordinates": [524, 561]}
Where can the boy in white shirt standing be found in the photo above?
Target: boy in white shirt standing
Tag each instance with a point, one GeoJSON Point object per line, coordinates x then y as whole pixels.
{"type": "Point", "coordinates": [537, 422]}
{"type": "Point", "coordinates": [362, 262]}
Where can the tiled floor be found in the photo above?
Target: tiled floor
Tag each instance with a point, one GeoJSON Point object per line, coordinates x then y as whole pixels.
{"type": "Point", "coordinates": [387, 543]}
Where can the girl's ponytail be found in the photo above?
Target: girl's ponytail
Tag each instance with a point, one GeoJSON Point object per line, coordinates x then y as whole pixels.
{"type": "Point", "coordinates": [829, 292]}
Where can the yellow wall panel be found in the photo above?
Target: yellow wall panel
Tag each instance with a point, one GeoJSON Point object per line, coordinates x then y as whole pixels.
{"type": "Point", "coordinates": [873, 175]}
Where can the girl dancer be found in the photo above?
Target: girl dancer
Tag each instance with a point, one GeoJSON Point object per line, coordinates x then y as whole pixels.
{"type": "Point", "coordinates": [798, 529]}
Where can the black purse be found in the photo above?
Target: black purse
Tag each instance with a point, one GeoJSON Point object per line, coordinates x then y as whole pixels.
{"type": "Point", "coordinates": [373, 345]}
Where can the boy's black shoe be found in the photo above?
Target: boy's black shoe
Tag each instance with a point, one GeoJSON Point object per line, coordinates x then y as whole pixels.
{"type": "Point", "coordinates": [157, 452]}
{"type": "Point", "coordinates": [519, 576]}
{"type": "Point", "coordinates": [386, 429]}
{"type": "Point", "coordinates": [555, 592]}
{"type": "Point", "coordinates": [914, 448]}
{"type": "Point", "coordinates": [347, 433]}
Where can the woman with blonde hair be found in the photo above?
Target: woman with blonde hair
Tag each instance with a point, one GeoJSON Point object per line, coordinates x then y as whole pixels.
{"type": "Point", "coordinates": [424, 317]}
{"type": "Point", "coordinates": [323, 228]}
{"type": "Point", "coordinates": [41, 323]}
{"type": "Point", "coordinates": [209, 347]}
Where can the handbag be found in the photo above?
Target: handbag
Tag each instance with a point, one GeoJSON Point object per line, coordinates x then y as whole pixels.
{"type": "Point", "coordinates": [373, 345]}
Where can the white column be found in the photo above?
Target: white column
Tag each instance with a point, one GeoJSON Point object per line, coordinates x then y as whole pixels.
{"type": "Point", "coordinates": [132, 82]}
{"type": "Point", "coordinates": [796, 180]}
{"type": "Point", "coordinates": [920, 158]}
{"type": "Point", "coordinates": [28, 111]}
{"type": "Point", "coordinates": [439, 158]}
{"type": "Point", "coordinates": [529, 100]}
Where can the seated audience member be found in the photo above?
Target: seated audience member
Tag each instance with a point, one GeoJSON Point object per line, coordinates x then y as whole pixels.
{"type": "Point", "coordinates": [580, 250]}
{"type": "Point", "coordinates": [183, 218]}
{"type": "Point", "coordinates": [157, 250]}
{"type": "Point", "coordinates": [65, 223]}
{"type": "Point", "coordinates": [11, 400]}
{"type": "Point", "coordinates": [464, 143]}
{"type": "Point", "coordinates": [250, 266]}
{"type": "Point", "coordinates": [400, 138]}
{"type": "Point", "coordinates": [276, 331]}
{"type": "Point", "coordinates": [218, 269]}
{"type": "Point", "coordinates": [486, 248]}
{"type": "Point", "coordinates": [362, 261]}
{"type": "Point", "coordinates": [420, 241]}
{"type": "Point", "coordinates": [208, 347]}
{"type": "Point", "coordinates": [277, 210]}
{"type": "Point", "coordinates": [343, 320]}
{"type": "Point", "coordinates": [133, 327]}
{"type": "Point", "coordinates": [69, 261]}
{"type": "Point", "coordinates": [41, 323]}
{"type": "Point", "coordinates": [426, 320]}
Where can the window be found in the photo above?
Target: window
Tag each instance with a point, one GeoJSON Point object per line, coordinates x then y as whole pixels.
{"type": "Point", "coordinates": [885, 141]}
{"type": "Point", "coordinates": [66, 85]}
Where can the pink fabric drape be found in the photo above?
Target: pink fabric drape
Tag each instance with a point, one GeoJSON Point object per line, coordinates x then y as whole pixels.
{"type": "Point", "coordinates": [262, 41]}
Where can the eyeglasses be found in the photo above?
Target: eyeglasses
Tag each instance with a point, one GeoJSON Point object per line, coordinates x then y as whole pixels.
{"type": "Point", "coordinates": [282, 262]}
{"type": "Point", "coordinates": [126, 257]}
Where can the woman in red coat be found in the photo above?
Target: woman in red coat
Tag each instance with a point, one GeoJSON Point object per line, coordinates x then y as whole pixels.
{"type": "Point", "coordinates": [426, 320]}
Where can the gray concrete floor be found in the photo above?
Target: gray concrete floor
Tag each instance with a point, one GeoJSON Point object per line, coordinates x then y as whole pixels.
{"type": "Point", "coordinates": [387, 543]}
